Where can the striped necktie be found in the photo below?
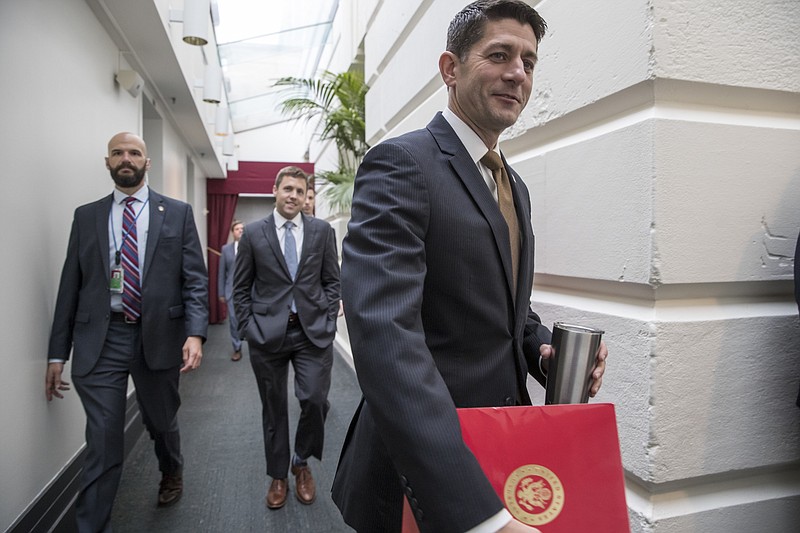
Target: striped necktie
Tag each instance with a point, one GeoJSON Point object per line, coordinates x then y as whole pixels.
{"type": "Point", "coordinates": [132, 292]}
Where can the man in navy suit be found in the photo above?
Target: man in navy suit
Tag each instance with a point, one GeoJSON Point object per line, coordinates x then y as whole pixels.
{"type": "Point", "coordinates": [227, 262]}
{"type": "Point", "coordinates": [437, 273]}
{"type": "Point", "coordinates": [133, 300]}
{"type": "Point", "coordinates": [286, 294]}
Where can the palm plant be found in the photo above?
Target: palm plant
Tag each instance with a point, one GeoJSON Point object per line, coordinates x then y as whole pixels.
{"type": "Point", "coordinates": [338, 101]}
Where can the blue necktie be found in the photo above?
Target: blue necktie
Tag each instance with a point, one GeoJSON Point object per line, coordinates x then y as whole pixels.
{"type": "Point", "coordinates": [290, 254]}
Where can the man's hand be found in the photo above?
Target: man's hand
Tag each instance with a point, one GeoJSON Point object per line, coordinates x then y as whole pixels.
{"type": "Point", "coordinates": [546, 351]}
{"type": "Point", "coordinates": [192, 354]}
{"type": "Point", "coordinates": [518, 527]}
{"type": "Point", "coordinates": [53, 382]}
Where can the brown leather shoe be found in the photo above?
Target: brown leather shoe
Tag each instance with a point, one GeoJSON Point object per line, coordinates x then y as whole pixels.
{"type": "Point", "coordinates": [170, 489]}
{"type": "Point", "coordinates": [304, 484]}
{"type": "Point", "coordinates": [236, 356]}
{"type": "Point", "coordinates": [276, 495]}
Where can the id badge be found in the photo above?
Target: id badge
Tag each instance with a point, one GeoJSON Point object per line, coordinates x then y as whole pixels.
{"type": "Point", "coordinates": [117, 281]}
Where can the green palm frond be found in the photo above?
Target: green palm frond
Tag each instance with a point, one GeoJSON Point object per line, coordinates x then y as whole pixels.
{"type": "Point", "coordinates": [339, 191]}
{"type": "Point", "coordinates": [338, 100]}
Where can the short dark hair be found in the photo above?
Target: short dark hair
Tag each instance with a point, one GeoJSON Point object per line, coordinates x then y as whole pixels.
{"type": "Point", "coordinates": [293, 172]}
{"type": "Point", "coordinates": [467, 27]}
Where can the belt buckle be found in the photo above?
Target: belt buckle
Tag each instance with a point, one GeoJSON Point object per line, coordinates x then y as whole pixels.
{"type": "Point", "coordinates": [129, 321]}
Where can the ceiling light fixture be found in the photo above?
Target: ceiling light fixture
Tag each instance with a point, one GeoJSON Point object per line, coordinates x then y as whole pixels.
{"type": "Point", "coordinates": [195, 17]}
{"type": "Point", "coordinates": [212, 84]}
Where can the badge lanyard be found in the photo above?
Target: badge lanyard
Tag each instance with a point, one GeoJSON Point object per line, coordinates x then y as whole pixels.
{"type": "Point", "coordinates": [117, 274]}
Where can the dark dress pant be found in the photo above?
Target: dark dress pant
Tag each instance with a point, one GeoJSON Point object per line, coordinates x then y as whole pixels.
{"type": "Point", "coordinates": [234, 326]}
{"type": "Point", "coordinates": [312, 381]}
{"type": "Point", "coordinates": [103, 393]}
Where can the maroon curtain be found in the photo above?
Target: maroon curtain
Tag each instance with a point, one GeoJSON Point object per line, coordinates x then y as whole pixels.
{"type": "Point", "coordinates": [253, 177]}
{"type": "Point", "coordinates": [221, 208]}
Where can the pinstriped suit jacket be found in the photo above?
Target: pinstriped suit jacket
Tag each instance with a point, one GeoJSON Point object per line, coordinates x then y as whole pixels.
{"type": "Point", "coordinates": [433, 324]}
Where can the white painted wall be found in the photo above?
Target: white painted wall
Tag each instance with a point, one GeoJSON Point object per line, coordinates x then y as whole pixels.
{"type": "Point", "coordinates": [661, 151]}
{"type": "Point", "coordinates": [61, 106]}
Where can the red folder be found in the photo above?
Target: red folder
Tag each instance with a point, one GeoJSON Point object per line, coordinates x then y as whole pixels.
{"type": "Point", "coordinates": [556, 467]}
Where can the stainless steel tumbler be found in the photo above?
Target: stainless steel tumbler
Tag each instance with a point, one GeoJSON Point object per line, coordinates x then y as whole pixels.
{"type": "Point", "coordinates": [569, 374]}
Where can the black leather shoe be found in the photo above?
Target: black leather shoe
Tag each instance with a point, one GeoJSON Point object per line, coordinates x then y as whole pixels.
{"type": "Point", "coordinates": [170, 489]}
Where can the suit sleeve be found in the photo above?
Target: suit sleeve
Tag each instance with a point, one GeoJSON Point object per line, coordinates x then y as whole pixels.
{"type": "Point", "coordinates": [195, 280]}
{"type": "Point", "coordinates": [67, 300]}
{"type": "Point", "coordinates": [330, 275]}
{"type": "Point", "coordinates": [243, 278]}
{"type": "Point", "coordinates": [383, 277]}
{"type": "Point", "coordinates": [535, 335]}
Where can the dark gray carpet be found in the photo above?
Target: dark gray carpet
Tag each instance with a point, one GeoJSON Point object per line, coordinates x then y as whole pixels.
{"type": "Point", "coordinates": [225, 479]}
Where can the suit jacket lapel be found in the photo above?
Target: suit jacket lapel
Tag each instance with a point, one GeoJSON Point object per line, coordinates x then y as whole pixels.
{"type": "Point", "coordinates": [101, 221]}
{"type": "Point", "coordinates": [157, 213]}
{"type": "Point", "coordinates": [309, 234]}
{"type": "Point", "coordinates": [271, 235]}
{"type": "Point", "coordinates": [468, 172]}
{"type": "Point", "coordinates": [525, 237]}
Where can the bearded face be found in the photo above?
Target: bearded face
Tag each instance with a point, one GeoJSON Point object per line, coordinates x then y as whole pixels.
{"type": "Point", "coordinates": [127, 175]}
{"type": "Point", "coordinates": [127, 160]}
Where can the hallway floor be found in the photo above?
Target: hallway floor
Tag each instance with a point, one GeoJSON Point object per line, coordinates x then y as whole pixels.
{"type": "Point", "coordinates": [225, 479]}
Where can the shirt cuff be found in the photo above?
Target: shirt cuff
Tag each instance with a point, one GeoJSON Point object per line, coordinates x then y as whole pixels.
{"type": "Point", "coordinates": [56, 360]}
{"type": "Point", "coordinates": [493, 524]}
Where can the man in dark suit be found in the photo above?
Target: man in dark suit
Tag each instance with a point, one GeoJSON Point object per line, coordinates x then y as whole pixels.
{"type": "Point", "coordinates": [225, 284]}
{"type": "Point", "coordinates": [133, 300]}
{"type": "Point", "coordinates": [437, 273]}
{"type": "Point", "coordinates": [286, 294]}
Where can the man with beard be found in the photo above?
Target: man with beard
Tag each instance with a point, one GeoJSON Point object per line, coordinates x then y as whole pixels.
{"type": "Point", "coordinates": [133, 300]}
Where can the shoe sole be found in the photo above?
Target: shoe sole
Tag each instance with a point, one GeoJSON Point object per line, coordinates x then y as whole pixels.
{"type": "Point", "coordinates": [270, 506]}
{"type": "Point", "coordinates": [170, 502]}
{"type": "Point", "coordinates": [305, 502]}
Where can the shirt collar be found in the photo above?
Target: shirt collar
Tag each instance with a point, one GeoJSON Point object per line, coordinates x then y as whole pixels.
{"type": "Point", "coordinates": [468, 138]}
{"type": "Point", "coordinates": [141, 195]}
{"type": "Point", "coordinates": [280, 220]}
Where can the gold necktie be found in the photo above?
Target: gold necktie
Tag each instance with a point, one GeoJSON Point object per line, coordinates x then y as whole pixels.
{"type": "Point", "coordinates": [506, 203]}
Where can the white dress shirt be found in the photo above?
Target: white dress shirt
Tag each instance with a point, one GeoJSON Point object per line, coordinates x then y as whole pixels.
{"type": "Point", "coordinates": [474, 146]}
{"type": "Point", "coordinates": [297, 231]}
